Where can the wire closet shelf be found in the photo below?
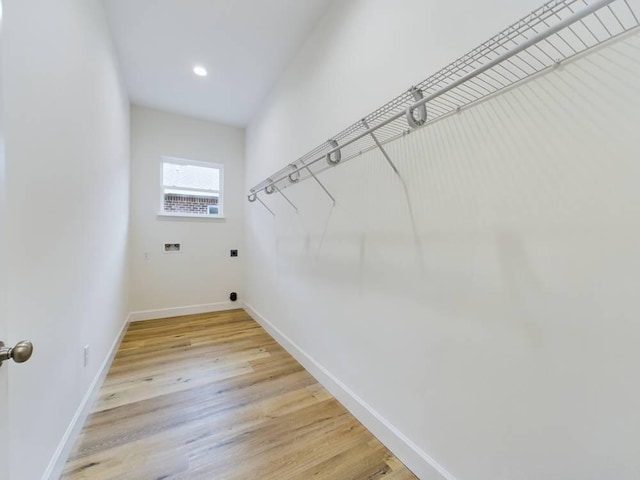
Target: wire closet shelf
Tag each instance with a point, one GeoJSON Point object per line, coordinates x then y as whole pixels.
{"type": "Point", "coordinates": [550, 35]}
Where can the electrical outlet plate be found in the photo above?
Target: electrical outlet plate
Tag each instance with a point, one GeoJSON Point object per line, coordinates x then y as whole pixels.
{"type": "Point", "coordinates": [171, 248]}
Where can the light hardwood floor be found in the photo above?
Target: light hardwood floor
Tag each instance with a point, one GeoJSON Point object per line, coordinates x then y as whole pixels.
{"type": "Point", "coordinates": [214, 397]}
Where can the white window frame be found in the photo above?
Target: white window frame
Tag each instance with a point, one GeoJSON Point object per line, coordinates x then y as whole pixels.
{"type": "Point", "coordinates": [184, 161]}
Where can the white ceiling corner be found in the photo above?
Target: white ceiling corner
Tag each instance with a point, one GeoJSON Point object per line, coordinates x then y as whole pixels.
{"type": "Point", "coordinates": [244, 44]}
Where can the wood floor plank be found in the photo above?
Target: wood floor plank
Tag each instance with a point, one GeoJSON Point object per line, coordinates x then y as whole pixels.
{"type": "Point", "coordinates": [213, 396]}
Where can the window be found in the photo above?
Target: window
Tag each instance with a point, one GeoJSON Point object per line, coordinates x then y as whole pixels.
{"type": "Point", "coordinates": [191, 188]}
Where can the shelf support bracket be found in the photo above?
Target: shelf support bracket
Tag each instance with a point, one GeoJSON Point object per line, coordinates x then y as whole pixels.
{"type": "Point", "coordinates": [421, 110]}
{"type": "Point", "coordinates": [379, 145]}
{"type": "Point", "coordinates": [286, 198]}
{"type": "Point", "coordinates": [294, 176]}
{"type": "Point", "coordinates": [337, 154]}
{"type": "Point", "coordinates": [269, 189]}
{"type": "Point", "coordinates": [320, 183]}
{"type": "Point", "coordinates": [254, 196]}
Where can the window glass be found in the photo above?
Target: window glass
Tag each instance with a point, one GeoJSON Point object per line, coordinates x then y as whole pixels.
{"type": "Point", "coordinates": [191, 188]}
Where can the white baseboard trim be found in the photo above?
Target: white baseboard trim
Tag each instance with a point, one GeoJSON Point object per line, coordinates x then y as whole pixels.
{"type": "Point", "coordinates": [418, 461]}
{"type": "Point", "coordinates": [178, 311]}
{"type": "Point", "coordinates": [59, 459]}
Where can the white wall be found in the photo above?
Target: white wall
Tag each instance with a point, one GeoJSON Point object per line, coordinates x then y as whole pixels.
{"type": "Point", "coordinates": [202, 276]}
{"type": "Point", "coordinates": [503, 342]}
{"type": "Point", "coordinates": [67, 139]}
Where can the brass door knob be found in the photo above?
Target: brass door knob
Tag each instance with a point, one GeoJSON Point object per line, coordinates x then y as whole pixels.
{"type": "Point", "coordinates": [19, 354]}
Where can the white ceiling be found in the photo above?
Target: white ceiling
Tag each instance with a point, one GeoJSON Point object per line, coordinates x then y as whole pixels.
{"type": "Point", "coordinates": [244, 44]}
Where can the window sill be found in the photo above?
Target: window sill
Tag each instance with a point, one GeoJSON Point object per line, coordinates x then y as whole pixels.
{"type": "Point", "coordinates": [187, 215]}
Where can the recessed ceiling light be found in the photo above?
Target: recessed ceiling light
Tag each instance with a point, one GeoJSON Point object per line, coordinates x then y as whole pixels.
{"type": "Point", "coordinates": [200, 71]}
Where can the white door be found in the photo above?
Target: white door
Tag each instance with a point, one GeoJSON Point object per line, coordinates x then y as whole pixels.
{"type": "Point", "coordinates": [5, 435]}
{"type": "Point", "coordinates": [4, 386]}
{"type": "Point", "coordinates": [4, 380]}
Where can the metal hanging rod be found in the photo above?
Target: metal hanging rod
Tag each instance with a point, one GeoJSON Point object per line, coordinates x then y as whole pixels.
{"type": "Point", "coordinates": [555, 32]}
